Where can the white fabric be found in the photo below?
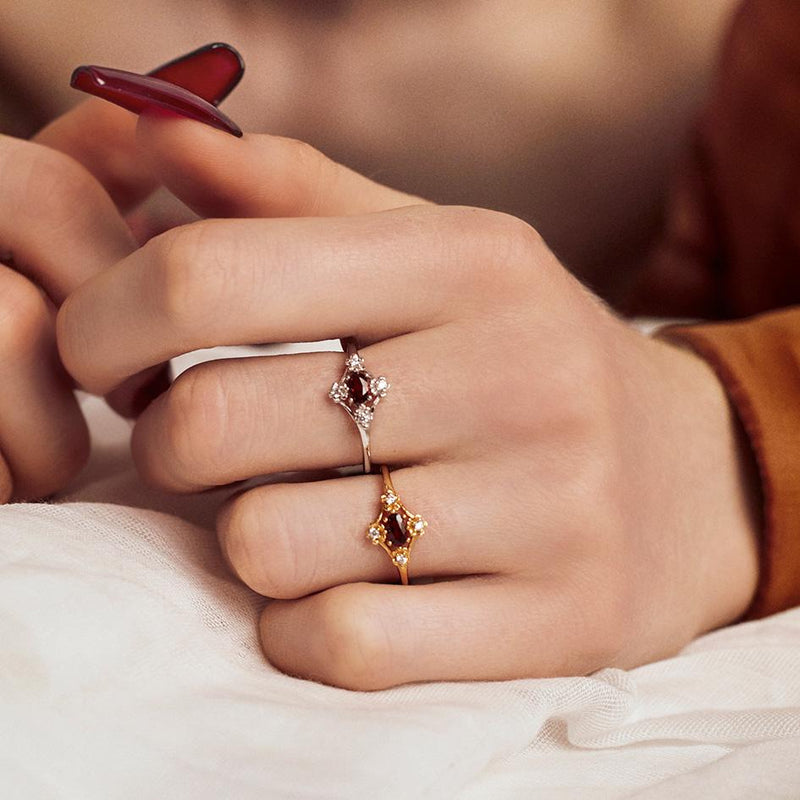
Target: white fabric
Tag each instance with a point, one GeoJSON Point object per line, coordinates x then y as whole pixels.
{"type": "Point", "coordinates": [130, 668]}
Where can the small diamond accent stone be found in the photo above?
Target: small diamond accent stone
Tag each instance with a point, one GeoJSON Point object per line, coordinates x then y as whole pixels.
{"type": "Point", "coordinates": [339, 393]}
{"type": "Point", "coordinates": [355, 361]}
{"type": "Point", "coordinates": [374, 534]}
{"type": "Point", "coordinates": [389, 499]}
{"type": "Point", "coordinates": [401, 559]}
{"type": "Point", "coordinates": [419, 526]}
{"type": "Point", "coordinates": [379, 386]}
{"type": "Point", "coordinates": [363, 416]}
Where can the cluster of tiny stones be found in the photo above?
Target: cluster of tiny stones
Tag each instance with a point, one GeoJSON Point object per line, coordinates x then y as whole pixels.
{"type": "Point", "coordinates": [358, 392]}
{"type": "Point", "coordinates": [379, 533]}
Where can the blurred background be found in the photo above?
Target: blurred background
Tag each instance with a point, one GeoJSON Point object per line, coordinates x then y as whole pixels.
{"type": "Point", "coordinates": [568, 113]}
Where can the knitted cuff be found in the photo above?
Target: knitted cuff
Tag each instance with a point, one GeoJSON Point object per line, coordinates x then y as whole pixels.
{"type": "Point", "coordinates": [758, 362]}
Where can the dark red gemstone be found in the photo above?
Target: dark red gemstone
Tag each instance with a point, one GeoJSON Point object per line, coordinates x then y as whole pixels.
{"type": "Point", "coordinates": [357, 384]}
{"type": "Point", "coordinates": [396, 533]}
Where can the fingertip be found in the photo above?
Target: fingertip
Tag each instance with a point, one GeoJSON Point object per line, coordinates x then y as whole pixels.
{"type": "Point", "coordinates": [66, 462]}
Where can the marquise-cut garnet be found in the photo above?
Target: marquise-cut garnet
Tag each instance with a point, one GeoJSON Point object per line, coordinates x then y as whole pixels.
{"type": "Point", "coordinates": [357, 384]}
{"type": "Point", "coordinates": [396, 532]}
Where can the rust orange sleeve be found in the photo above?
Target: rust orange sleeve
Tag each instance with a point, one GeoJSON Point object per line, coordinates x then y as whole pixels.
{"type": "Point", "coordinates": [758, 362]}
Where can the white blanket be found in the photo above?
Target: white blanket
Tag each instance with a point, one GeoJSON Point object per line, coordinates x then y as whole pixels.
{"type": "Point", "coordinates": [130, 668]}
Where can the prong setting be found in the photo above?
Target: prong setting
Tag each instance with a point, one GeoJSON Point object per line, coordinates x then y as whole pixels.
{"type": "Point", "coordinates": [358, 392]}
{"type": "Point", "coordinates": [396, 529]}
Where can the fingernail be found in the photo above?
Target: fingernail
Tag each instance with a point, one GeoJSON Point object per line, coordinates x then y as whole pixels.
{"type": "Point", "coordinates": [211, 72]}
{"type": "Point", "coordinates": [140, 93]}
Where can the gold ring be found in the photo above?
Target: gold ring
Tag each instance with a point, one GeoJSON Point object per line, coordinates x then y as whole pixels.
{"type": "Point", "coordinates": [396, 528]}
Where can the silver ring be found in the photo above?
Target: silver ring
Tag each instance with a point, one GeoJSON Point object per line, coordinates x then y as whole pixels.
{"type": "Point", "coordinates": [358, 392]}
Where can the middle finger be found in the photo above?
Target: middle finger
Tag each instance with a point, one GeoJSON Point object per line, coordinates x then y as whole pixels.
{"type": "Point", "coordinates": [248, 281]}
{"type": "Point", "coordinates": [290, 540]}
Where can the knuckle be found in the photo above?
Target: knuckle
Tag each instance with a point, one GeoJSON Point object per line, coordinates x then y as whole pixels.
{"type": "Point", "coordinates": [502, 240]}
{"type": "Point", "coordinates": [236, 527]}
{"type": "Point", "coordinates": [356, 645]}
{"type": "Point", "coordinates": [195, 423]}
{"type": "Point", "coordinates": [517, 252]}
{"type": "Point", "coordinates": [498, 255]}
{"type": "Point", "coordinates": [256, 536]}
{"type": "Point", "coordinates": [509, 234]}
{"type": "Point", "coordinates": [269, 416]}
{"type": "Point", "coordinates": [24, 316]}
{"type": "Point", "coordinates": [190, 275]}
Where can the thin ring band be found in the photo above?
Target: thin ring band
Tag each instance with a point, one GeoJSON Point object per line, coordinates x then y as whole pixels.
{"type": "Point", "coordinates": [396, 528]}
{"type": "Point", "coordinates": [358, 392]}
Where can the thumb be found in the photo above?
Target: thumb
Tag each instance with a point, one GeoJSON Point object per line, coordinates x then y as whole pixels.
{"type": "Point", "coordinates": [257, 175]}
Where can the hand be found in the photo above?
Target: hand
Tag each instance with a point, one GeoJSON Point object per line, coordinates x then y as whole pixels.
{"type": "Point", "coordinates": [58, 226]}
{"type": "Point", "coordinates": [60, 223]}
{"type": "Point", "coordinates": [731, 243]}
{"type": "Point", "coordinates": [583, 486]}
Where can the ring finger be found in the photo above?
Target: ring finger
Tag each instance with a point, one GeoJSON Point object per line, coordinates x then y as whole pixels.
{"type": "Point", "coordinates": [227, 420]}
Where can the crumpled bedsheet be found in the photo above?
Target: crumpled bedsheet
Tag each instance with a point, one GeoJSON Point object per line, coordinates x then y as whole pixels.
{"type": "Point", "coordinates": [130, 668]}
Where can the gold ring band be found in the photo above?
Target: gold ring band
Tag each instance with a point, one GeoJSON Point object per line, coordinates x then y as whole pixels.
{"type": "Point", "coordinates": [396, 528]}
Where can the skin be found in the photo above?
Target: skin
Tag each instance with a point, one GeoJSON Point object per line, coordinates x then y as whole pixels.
{"type": "Point", "coordinates": [57, 228]}
{"type": "Point", "coordinates": [568, 115]}
{"type": "Point", "coordinates": [61, 221]}
{"type": "Point", "coordinates": [586, 519]}
{"type": "Point", "coordinates": [554, 123]}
